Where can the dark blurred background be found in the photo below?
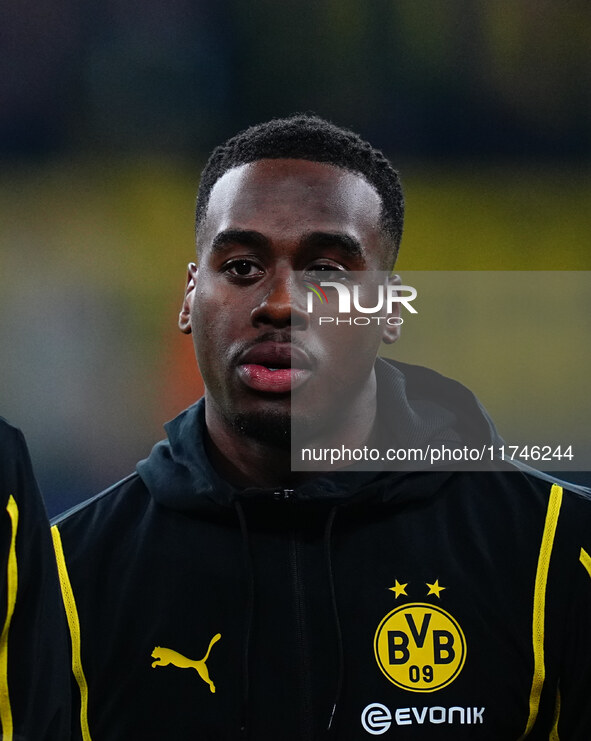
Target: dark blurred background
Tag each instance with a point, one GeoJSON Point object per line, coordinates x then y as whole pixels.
{"type": "Point", "coordinates": [109, 110]}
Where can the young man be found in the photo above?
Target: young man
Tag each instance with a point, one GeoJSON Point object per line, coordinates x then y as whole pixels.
{"type": "Point", "coordinates": [217, 594]}
{"type": "Point", "coordinates": [34, 659]}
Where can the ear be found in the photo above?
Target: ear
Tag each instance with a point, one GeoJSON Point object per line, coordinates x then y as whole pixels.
{"type": "Point", "coordinates": [392, 331]}
{"type": "Point", "coordinates": [185, 312]}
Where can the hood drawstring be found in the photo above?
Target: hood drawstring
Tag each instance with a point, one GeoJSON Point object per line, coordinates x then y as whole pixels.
{"type": "Point", "coordinates": [335, 609]}
{"type": "Point", "coordinates": [249, 618]}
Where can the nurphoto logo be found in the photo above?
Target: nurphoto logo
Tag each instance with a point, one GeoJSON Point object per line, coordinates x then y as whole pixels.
{"type": "Point", "coordinates": [374, 301]}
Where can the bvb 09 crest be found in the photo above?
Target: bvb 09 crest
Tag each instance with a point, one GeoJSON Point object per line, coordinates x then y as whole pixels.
{"type": "Point", "coordinates": [420, 647]}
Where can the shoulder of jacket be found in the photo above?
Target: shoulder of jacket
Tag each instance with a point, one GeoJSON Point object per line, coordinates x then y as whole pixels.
{"type": "Point", "coordinates": [546, 480]}
{"type": "Point", "coordinates": [105, 500]}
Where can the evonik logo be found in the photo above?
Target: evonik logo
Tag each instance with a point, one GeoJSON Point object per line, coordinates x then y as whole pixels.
{"type": "Point", "coordinates": [377, 719]}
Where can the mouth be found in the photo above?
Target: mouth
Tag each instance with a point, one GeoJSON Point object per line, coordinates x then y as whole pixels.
{"type": "Point", "coordinates": [274, 367]}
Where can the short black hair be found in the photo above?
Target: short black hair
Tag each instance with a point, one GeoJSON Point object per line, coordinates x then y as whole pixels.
{"type": "Point", "coordinates": [309, 137]}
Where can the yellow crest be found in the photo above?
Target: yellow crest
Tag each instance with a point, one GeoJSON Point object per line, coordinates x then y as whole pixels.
{"type": "Point", "coordinates": [420, 647]}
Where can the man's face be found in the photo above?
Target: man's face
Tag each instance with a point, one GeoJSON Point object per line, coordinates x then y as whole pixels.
{"type": "Point", "coordinates": [269, 225]}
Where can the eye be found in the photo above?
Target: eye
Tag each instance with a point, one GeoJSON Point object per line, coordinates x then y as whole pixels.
{"type": "Point", "coordinates": [327, 271]}
{"type": "Point", "coordinates": [242, 268]}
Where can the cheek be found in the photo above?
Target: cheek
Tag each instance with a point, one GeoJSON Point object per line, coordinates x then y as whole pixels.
{"type": "Point", "coordinates": [207, 328]}
{"type": "Point", "coordinates": [217, 323]}
{"type": "Point", "coordinates": [357, 342]}
{"type": "Point", "coordinates": [348, 352]}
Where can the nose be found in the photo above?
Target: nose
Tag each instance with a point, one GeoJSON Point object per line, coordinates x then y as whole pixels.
{"type": "Point", "coordinates": [281, 304]}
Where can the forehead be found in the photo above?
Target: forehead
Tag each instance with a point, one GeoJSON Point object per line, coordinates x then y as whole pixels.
{"type": "Point", "coordinates": [292, 195]}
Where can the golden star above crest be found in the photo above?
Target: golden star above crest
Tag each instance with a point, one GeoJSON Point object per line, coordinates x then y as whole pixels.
{"type": "Point", "coordinates": [399, 589]}
{"type": "Point", "coordinates": [435, 588]}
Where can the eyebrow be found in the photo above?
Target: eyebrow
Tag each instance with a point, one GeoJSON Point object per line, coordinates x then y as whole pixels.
{"type": "Point", "coordinates": [348, 245]}
{"type": "Point", "coordinates": [246, 237]}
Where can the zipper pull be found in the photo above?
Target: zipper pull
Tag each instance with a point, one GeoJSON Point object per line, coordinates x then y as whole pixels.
{"type": "Point", "coordinates": [284, 495]}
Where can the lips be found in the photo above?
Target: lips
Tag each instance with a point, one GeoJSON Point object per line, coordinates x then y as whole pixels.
{"type": "Point", "coordinates": [274, 367]}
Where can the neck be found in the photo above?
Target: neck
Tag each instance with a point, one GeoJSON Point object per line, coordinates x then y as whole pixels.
{"type": "Point", "coordinates": [252, 463]}
{"type": "Point", "coordinates": [245, 461]}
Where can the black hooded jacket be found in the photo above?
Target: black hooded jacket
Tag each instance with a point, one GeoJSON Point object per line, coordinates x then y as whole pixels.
{"type": "Point", "coordinates": [411, 605]}
{"type": "Point", "coordinates": [34, 658]}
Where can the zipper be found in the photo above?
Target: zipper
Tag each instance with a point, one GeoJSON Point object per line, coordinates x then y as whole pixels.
{"type": "Point", "coordinates": [301, 640]}
{"type": "Point", "coordinates": [302, 647]}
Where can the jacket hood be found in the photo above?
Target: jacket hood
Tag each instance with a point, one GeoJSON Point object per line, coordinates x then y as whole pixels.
{"type": "Point", "coordinates": [416, 407]}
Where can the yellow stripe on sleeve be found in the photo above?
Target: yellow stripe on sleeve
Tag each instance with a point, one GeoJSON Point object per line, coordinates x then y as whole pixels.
{"type": "Point", "coordinates": [74, 626]}
{"type": "Point", "coordinates": [585, 559]}
{"type": "Point", "coordinates": [539, 610]}
{"type": "Point", "coordinates": [554, 732]}
{"type": "Point", "coordinates": [11, 589]}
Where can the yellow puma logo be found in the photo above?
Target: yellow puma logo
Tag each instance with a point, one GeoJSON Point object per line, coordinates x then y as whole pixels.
{"type": "Point", "coordinates": [165, 656]}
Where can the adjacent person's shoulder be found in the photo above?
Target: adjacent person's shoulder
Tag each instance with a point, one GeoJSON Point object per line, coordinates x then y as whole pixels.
{"type": "Point", "coordinates": [8, 433]}
{"type": "Point", "coordinates": [17, 480]}
{"type": "Point", "coordinates": [13, 449]}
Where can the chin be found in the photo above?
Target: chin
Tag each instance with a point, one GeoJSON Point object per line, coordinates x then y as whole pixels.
{"type": "Point", "coordinates": [270, 427]}
{"type": "Point", "coordinates": [281, 428]}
